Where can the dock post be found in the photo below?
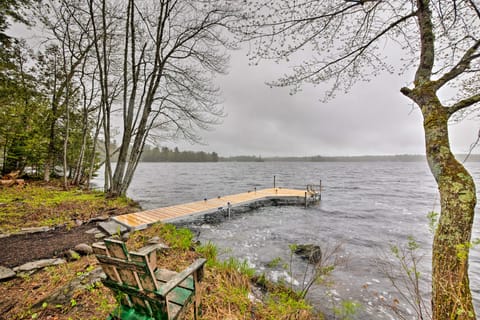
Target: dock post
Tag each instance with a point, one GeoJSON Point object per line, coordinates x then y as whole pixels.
{"type": "Point", "coordinates": [229, 205]}
{"type": "Point", "coordinates": [320, 190]}
{"type": "Point", "coordinates": [274, 182]}
{"type": "Point", "coordinates": [306, 203]}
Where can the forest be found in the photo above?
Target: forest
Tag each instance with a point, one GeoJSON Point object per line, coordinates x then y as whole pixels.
{"type": "Point", "coordinates": [165, 154]}
{"type": "Point", "coordinates": [95, 72]}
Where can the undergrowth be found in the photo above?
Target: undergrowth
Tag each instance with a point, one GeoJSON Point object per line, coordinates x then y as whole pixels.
{"type": "Point", "coordinates": [228, 284]}
{"type": "Point", "coordinates": [226, 289]}
{"type": "Point", "coordinates": [37, 205]}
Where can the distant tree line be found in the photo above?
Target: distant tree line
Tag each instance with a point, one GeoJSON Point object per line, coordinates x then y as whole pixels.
{"type": "Point", "coordinates": [366, 158]}
{"type": "Point", "coordinates": [165, 154]}
{"type": "Point", "coordinates": [242, 159]}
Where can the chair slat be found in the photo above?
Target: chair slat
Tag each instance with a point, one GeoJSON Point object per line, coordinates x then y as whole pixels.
{"type": "Point", "coordinates": [144, 290]}
{"type": "Point", "coordinates": [117, 249]}
{"type": "Point", "coordinates": [101, 250]}
{"type": "Point", "coordinates": [147, 276]}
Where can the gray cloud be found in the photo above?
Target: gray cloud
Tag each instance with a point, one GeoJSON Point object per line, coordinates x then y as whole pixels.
{"type": "Point", "coordinates": [374, 118]}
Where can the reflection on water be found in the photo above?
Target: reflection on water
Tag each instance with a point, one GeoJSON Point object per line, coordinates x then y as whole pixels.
{"type": "Point", "coordinates": [365, 206]}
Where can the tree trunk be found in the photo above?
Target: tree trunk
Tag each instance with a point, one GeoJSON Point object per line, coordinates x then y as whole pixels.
{"type": "Point", "coordinates": [451, 297]}
{"type": "Point", "coordinates": [65, 149]}
{"type": "Point", "coordinates": [98, 126]}
{"type": "Point", "coordinates": [77, 178]}
{"type": "Point", "coordinates": [50, 162]}
{"type": "Point", "coordinates": [4, 164]}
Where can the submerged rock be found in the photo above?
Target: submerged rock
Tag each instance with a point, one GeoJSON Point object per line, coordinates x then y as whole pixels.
{"type": "Point", "coordinates": [309, 252]}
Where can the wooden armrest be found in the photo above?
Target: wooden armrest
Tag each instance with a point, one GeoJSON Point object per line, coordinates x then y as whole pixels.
{"type": "Point", "coordinates": [180, 277]}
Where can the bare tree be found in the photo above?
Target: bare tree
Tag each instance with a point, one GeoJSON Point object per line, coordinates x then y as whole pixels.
{"type": "Point", "coordinates": [344, 39]}
{"type": "Point", "coordinates": [69, 45]}
{"type": "Point", "coordinates": [168, 55]}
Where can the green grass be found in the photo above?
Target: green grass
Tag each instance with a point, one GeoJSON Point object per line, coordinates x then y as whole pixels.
{"type": "Point", "coordinates": [285, 303]}
{"type": "Point", "coordinates": [178, 238]}
{"type": "Point", "coordinates": [209, 251]}
{"type": "Point", "coordinates": [227, 284]}
{"type": "Point", "coordinates": [36, 205]}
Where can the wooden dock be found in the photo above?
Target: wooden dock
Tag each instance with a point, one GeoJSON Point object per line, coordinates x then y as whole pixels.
{"type": "Point", "coordinates": [141, 220]}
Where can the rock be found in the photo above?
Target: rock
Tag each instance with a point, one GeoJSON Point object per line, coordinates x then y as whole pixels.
{"type": "Point", "coordinates": [29, 266]}
{"type": "Point", "coordinates": [6, 273]}
{"type": "Point", "coordinates": [78, 222]}
{"type": "Point", "coordinates": [154, 240]}
{"type": "Point", "coordinates": [92, 231]}
{"type": "Point", "coordinates": [83, 249]}
{"type": "Point", "coordinates": [34, 230]}
{"type": "Point", "coordinates": [111, 227]}
{"type": "Point", "coordinates": [310, 252]}
{"type": "Point", "coordinates": [125, 236]}
{"type": "Point", "coordinates": [99, 218]}
{"type": "Point", "coordinates": [256, 295]}
{"type": "Point", "coordinates": [100, 235]}
{"type": "Point", "coordinates": [71, 255]}
{"type": "Point", "coordinates": [64, 295]}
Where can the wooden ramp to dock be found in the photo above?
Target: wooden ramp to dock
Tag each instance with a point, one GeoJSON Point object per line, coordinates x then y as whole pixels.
{"type": "Point", "coordinates": [140, 220]}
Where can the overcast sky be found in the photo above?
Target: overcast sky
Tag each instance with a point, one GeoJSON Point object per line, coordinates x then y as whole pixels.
{"type": "Point", "coordinates": [374, 118]}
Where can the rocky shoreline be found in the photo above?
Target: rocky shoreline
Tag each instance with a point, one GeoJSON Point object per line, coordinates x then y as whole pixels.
{"type": "Point", "coordinates": [32, 249]}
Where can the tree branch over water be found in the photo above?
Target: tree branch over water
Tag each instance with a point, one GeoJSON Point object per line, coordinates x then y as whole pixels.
{"type": "Point", "coordinates": [338, 43]}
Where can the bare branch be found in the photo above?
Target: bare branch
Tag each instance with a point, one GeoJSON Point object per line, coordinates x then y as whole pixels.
{"type": "Point", "coordinates": [461, 66]}
{"type": "Point", "coordinates": [463, 104]}
{"type": "Point", "coordinates": [355, 54]}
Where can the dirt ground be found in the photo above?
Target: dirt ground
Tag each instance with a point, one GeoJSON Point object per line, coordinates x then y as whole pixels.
{"type": "Point", "coordinates": [16, 250]}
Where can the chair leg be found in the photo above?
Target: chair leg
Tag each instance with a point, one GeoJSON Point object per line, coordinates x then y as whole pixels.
{"type": "Point", "coordinates": [196, 298]}
{"type": "Point", "coordinates": [195, 308]}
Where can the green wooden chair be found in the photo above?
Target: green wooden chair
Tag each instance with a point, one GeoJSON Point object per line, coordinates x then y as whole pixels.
{"type": "Point", "coordinates": [144, 291]}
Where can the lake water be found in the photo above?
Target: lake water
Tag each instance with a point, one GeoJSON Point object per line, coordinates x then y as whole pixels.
{"type": "Point", "coordinates": [366, 207]}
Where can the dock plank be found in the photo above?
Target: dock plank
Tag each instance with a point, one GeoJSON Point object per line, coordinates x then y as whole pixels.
{"type": "Point", "coordinates": [142, 219]}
